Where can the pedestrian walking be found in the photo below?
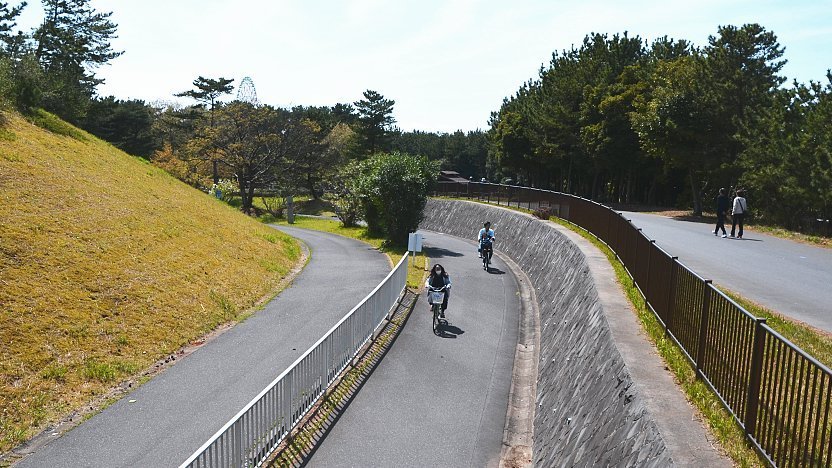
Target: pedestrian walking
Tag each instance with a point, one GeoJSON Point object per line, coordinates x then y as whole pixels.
{"type": "Point", "coordinates": [738, 212]}
{"type": "Point", "coordinates": [722, 204]}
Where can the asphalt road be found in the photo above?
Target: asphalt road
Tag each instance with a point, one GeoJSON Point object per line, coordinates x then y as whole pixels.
{"type": "Point", "coordinates": [788, 277]}
{"type": "Point", "coordinates": [177, 411]}
{"type": "Point", "coordinates": [438, 401]}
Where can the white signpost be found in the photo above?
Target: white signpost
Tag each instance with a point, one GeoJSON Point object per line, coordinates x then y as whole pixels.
{"type": "Point", "coordinates": [414, 244]}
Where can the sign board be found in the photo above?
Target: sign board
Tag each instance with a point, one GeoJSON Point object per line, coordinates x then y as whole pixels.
{"type": "Point", "coordinates": [414, 242]}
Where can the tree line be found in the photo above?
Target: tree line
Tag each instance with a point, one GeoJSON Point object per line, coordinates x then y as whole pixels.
{"type": "Point", "coordinates": [616, 119]}
{"type": "Point", "coordinates": [623, 121]}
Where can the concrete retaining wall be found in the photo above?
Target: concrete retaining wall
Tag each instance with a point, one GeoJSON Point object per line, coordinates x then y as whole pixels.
{"type": "Point", "coordinates": [588, 412]}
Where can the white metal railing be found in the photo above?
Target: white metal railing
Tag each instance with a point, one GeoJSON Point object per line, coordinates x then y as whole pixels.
{"type": "Point", "coordinates": [252, 435]}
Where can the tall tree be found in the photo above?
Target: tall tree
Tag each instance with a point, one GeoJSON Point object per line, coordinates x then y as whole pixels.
{"type": "Point", "coordinates": [375, 120]}
{"type": "Point", "coordinates": [246, 139]}
{"type": "Point", "coordinates": [674, 122]}
{"type": "Point", "coordinates": [8, 18]}
{"type": "Point", "coordinates": [70, 44]}
{"type": "Point", "coordinates": [742, 68]}
{"type": "Point", "coordinates": [207, 91]}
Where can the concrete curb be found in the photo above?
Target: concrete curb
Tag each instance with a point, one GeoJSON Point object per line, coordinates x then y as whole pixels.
{"type": "Point", "coordinates": [518, 435]}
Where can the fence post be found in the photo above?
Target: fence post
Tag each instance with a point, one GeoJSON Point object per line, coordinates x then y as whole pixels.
{"type": "Point", "coordinates": [671, 295]}
{"type": "Point", "coordinates": [238, 444]}
{"type": "Point", "coordinates": [647, 275]}
{"type": "Point", "coordinates": [756, 377]}
{"type": "Point", "coordinates": [703, 327]}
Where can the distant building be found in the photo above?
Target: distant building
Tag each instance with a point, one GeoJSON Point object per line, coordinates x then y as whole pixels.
{"type": "Point", "coordinates": [452, 176]}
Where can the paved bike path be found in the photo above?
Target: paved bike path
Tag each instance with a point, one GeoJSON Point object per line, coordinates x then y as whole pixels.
{"type": "Point", "coordinates": [438, 401]}
{"type": "Point", "coordinates": [785, 276]}
{"type": "Point", "coordinates": [177, 411]}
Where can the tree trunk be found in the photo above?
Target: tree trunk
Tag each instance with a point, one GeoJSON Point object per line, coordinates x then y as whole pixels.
{"type": "Point", "coordinates": [250, 197]}
{"type": "Point", "coordinates": [245, 198]}
{"type": "Point", "coordinates": [697, 195]}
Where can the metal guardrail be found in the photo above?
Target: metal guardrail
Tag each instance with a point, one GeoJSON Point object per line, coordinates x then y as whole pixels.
{"type": "Point", "coordinates": [780, 395]}
{"type": "Point", "coordinates": [254, 433]}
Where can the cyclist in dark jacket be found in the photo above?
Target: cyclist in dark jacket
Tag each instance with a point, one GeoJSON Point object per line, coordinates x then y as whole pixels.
{"type": "Point", "coordinates": [438, 278]}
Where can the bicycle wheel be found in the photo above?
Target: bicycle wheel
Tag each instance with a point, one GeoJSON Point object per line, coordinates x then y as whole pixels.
{"type": "Point", "coordinates": [436, 308]}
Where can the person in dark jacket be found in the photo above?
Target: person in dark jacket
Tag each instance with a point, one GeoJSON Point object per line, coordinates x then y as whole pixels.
{"type": "Point", "coordinates": [722, 205]}
{"type": "Point", "coordinates": [438, 278]}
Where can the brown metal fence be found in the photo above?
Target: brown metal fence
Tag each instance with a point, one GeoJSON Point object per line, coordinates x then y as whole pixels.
{"type": "Point", "coordinates": [780, 395]}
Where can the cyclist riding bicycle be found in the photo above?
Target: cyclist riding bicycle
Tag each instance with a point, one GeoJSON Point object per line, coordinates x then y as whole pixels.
{"type": "Point", "coordinates": [439, 278]}
{"type": "Point", "coordinates": [485, 236]}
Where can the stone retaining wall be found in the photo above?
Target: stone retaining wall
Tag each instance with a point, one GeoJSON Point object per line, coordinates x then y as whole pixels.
{"type": "Point", "coordinates": [588, 412]}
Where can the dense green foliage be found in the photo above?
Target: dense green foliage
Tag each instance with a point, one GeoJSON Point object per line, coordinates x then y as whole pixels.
{"type": "Point", "coordinates": [622, 121]}
{"type": "Point", "coordinates": [125, 124]}
{"type": "Point", "coordinates": [54, 67]}
{"type": "Point", "coordinates": [393, 190]}
{"type": "Point", "coordinates": [466, 153]}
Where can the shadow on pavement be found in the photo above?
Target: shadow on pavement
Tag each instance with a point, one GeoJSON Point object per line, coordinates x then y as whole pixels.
{"type": "Point", "coordinates": [745, 239]}
{"type": "Point", "coordinates": [495, 271]}
{"type": "Point", "coordinates": [437, 252]}
{"type": "Point", "coordinates": [449, 331]}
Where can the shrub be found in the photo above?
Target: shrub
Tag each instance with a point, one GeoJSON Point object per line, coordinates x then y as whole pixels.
{"type": "Point", "coordinates": [224, 190]}
{"type": "Point", "coordinates": [346, 197]}
{"type": "Point", "coordinates": [394, 189]}
{"type": "Point", "coordinates": [543, 213]}
{"type": "Point", "coordinates": [275, 206]}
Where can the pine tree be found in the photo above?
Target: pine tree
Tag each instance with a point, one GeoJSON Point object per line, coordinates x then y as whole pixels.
{"type": "Point", "coordinates": [70, 44]}
{"type": "Point", "coordinates": [375, 119]}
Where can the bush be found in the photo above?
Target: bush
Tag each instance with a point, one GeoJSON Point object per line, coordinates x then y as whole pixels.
{"type": "Point", "coordinates": [224, 190]}
{"type": "Point", "coordinates": [543, 213]}
{"type": "Point", "coordinates": [275, 206]}
{"type": "Point", "coordinates": [394, 190]}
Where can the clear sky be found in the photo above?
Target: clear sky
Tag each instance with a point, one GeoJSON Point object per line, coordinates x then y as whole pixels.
{"type": "Point", "coordinates": [447, 64]}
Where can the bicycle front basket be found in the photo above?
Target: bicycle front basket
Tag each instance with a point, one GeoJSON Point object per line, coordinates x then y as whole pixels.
{"type": "Point", "coordinates": [436, 297]}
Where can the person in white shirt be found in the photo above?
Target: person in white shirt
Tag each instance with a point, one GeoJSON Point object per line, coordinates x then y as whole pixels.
{"type": "Point", "coordinates": [486, 234]}
{"type": "Point", "coordinates": [738, 212]}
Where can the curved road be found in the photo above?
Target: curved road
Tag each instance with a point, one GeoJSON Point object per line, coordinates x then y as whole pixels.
{"type": "Point", "coordinates": [788, 277]}
{"type": "Point", "coordinates": [438, 401]}
{"type": "Point", "coordinates": [177, 411]}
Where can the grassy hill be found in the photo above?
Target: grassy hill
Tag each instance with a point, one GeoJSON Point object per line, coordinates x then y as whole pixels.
{"type": "Point", "coordinates": [108, 264]}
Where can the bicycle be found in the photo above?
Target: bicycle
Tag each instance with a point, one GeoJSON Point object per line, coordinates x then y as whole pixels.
{"type": "Point", "coordinates": [487, 250]}
{"type": "Point", "coordinates": [436, 297]}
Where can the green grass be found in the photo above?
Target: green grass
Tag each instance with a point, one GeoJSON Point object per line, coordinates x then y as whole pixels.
{"type": "Point", "coordinates": [815, 342]}
{"type": "Point", "coordinates": [792, 235]}
{"type": "Point", "coordinates": [52, 123]}
{"type": "Point", "coordinates": [108, 264]}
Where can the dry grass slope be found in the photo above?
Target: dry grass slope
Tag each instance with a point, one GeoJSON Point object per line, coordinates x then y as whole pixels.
{"type": "Point", "coordinates": [106, 265]}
